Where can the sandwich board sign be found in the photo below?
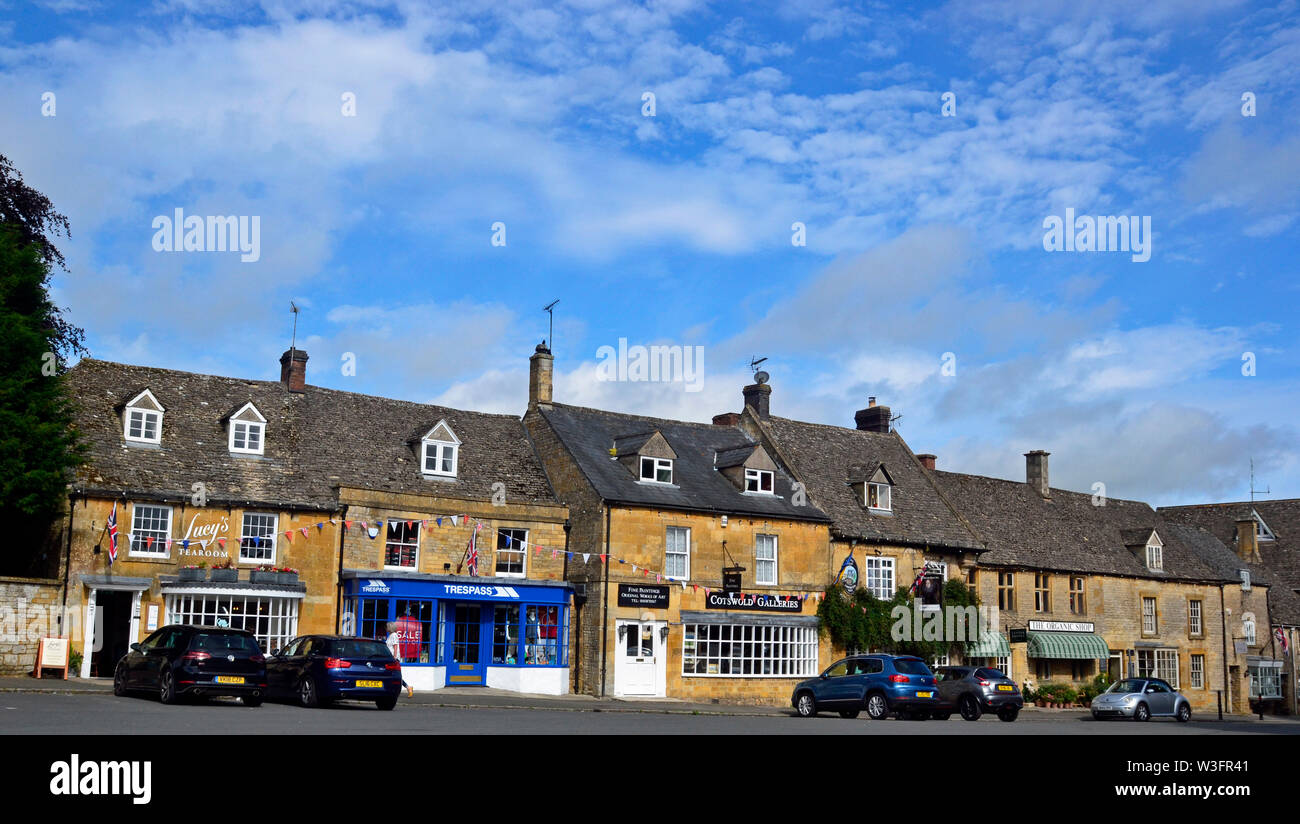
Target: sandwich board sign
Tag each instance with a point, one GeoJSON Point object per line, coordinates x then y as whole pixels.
{"type": "Point", "coordinates": [52, 654]}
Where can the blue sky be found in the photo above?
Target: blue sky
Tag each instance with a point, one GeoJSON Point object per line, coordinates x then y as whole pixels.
{"type": "Point", "coordinates": [924, 232]}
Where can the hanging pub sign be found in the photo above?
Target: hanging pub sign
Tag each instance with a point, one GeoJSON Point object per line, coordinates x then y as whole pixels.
{"type": "Point", "coordinates": [731, 579]}
{"type": "Point", "coordinates": [929, 586]}
{"type": "Point", "coordinates": [848, 575]}
{"type": "Point", "coordinates": [1018, 635]}
{"type": "Point", "coordinates": [643, 595]}
{"type": "Point", "coordinates": [754, 601]}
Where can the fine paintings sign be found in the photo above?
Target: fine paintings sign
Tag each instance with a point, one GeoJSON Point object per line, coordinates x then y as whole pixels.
{"type": "Point", "coordinates": [753, 601]}
{"type": "Point", "coordinates": [643, 595]}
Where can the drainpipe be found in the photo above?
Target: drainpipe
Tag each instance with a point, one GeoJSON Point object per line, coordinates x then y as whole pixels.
{"type": "Point", "coordinates": [1223, 617]}
{"type": "Point", "coordinates": [604, 605]}
{"type": "Point", "coordinates": [577, 670]}
{"type": "Point", "coordinates": [338, 585]}
{"type": "Point", "coordinates": [67, 569]}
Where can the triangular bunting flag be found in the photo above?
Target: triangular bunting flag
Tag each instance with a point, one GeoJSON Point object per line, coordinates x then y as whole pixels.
{"type": "Point", "coordinates": [303, 531]}
{"type": "Point", "coordinates": [586, 557]}
{"type": "Point", "coordinates": [289, 534]}
{"type": "Point", "coordinates": [148, 542]}
{"type": "Point", "coordinates": [222, 542]}
{"type": "Point", "coordinates": [185, 544]}
{"type": "Point", "coordinates": [347, 524]}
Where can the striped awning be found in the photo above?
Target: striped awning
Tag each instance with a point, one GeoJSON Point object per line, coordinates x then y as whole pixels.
{"type": "Point", "coordinates": [1077, 645]}
{"type": "Point", "coordinates": [990, 645]}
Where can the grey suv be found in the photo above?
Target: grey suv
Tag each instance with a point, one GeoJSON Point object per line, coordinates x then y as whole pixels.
{"type": "Point", "coordinates": [973, 691]}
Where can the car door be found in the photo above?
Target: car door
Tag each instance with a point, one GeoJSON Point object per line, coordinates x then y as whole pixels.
{"type": "Point", "coordinates": [949, 682]}
{"type": "Point", "coordinates": [158, 657]}
{"type": "Point", "coordinates": [278, 680]}
{"type": "Point", "coordinates": [834, 686]}
{"type": "Point", "coordinates": [135, 658]}
{"type": "Point", "coordinates": [873, 673]}
{"type": "Point", "coordinates": [1160, 698]}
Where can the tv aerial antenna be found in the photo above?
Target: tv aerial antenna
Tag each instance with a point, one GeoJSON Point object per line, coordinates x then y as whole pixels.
{"type": "Point", "coordinates": [1253, 490]}
{"type": "Point", "coordinates": [759, 375]}
{"type": "Point", "coordinates": [550, 310]}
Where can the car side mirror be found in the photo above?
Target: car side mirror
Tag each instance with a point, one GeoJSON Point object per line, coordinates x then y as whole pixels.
{"type": "Point", "coordinates": [137, 648]}
{"type": "Point", "coordinates": [826, 675]}
{"type": "Point", "coordinates": [275, 653]}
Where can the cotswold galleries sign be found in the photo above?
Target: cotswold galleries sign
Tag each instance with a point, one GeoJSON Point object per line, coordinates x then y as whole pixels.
{"type": "Point", "coordinates": [753, 601]}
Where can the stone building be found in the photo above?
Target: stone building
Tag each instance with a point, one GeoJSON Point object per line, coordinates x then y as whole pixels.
{"type": "Point", "coordinates": [1265, 539]}
{"type": "Point", "coordinates": [661, 512]}
{"type": "Point", "coordinates": [373, 503]}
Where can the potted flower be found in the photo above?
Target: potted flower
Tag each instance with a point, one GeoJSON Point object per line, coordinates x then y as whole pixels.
{"type": "Point", "coordinates": [264, 574]}
{"type": "Point", "coordinates": [287, 576]}
{"type": "Point", "coordinates": [193, 572]}
{"type": "Point", "coordinates": [225, 572]}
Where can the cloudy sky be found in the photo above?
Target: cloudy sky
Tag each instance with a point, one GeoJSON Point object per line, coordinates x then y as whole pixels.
{"type": "Point", "coordinates": [923, 281]}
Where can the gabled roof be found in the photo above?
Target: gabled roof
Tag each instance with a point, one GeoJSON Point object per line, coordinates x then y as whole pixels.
{"type": "Point", "coordinates": [1068, 533]}
{"type": "Point", "coordinates": [826, 458]}
{"type": "Point", "coordinates": [1280, 556]}
{"type": "Point", "coordinates": [320, 439]}
{"type": "Point", "coordinates": [697, 484]}
{"type": "Point", "coordinates": [239, 412]}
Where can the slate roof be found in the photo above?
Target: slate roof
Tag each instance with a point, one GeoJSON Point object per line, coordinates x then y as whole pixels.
{"type": "Point", "coordinates": [825, 458]}
{"type": "Point", "coordinates": [1281, 556]}
{"type": "Point", "coordinates": [697, 485]}
{"type": "Point", "coordinates": [315, 441]}
{"type": "Point", "coordinates": [1067, 533]}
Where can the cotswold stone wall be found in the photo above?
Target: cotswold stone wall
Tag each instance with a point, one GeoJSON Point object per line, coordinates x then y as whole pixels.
{"type": "Point", "coordinates": [29, 610]}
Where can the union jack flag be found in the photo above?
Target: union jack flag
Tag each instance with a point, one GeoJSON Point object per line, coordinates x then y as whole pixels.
{"type": "Point", "coordinates": [112, 535]}
{"type": "Point", "coordinates": [473, 551]}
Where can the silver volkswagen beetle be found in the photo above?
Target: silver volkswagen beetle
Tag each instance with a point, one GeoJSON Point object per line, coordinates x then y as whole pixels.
{"type": "Point", "coordinates": [1141, 699]}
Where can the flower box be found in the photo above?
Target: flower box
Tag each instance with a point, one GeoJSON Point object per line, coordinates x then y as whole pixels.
{"type": "Point", "coordinates": [287, 579]}
{"type": "Point", "coordinates": [191, 574]}
{"type": "Point", "coordinates": [263, 576]}
{"type": "Point", "coordinates": [225, 576]}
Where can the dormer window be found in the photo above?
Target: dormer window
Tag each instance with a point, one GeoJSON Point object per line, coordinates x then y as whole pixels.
{"type": "Point", "coordinates": [873, 486]}
{"type": "Point", "coordinates": [440, 451]}
{"type": "Point", "coordinates": [1155, 557]}
{"type": "Point", "coordinates": [758, 480]}
{"type": "Point", "coordinates": [656, 470]}
{"type": "Point", "coordinates": [247, 431]}
{"type": "Point", "coordinates": [879, 497]}
{"type": "Point", "coordinates": [142, 419]}
{"type": "Point", "coordinates": [1262, 532]}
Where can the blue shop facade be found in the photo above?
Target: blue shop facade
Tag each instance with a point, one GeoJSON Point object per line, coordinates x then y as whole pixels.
{"type": "Point", "coordinates": [508, 633]}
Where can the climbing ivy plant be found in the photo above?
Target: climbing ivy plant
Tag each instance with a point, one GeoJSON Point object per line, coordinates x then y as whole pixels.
{"type": "Point", "coordinates": [862, 622]}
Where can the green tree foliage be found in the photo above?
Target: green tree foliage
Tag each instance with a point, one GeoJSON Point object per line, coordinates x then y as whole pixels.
{"type": "Point", "coordinates": [862, 622]}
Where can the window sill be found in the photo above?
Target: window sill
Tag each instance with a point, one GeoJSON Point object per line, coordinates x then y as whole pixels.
{"type": "Point", "coordinates": [497, 574]}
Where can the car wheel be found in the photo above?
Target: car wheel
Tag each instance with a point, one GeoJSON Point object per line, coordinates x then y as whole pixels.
{"type": "Point", "coordinates": [1008, 714]}
{"type": "Point", "coordinates": [941, 716]}
{"type": "Point", "coordinates": [1141, 713]}
{"type": "Point", "coordinates": [877, 707]}
{"type": "Point", "coordinates": [252, 700]}
{"type": "Point", "coordinates": [1184, 713]}
{"type": "Point", "coordinates": [970, 708]}
{"type": "Point", "coordinates": [386, 703]}
{"type": "Point", "coordinates": [806, 706]}
{"type": "Point", "coordinates": [849, 713]}
{"type": "Point", "coordinates": [307, 692]}
{"type": "Point", "coordinates": [167, 687]}
{"type": "Point", "coordinates": [119, 681]}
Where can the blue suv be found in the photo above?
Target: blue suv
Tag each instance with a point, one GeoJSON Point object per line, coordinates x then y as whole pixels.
{"type": "Point", "coordinates": [880, 684]}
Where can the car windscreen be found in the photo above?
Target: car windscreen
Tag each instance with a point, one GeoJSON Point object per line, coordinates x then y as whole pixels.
{"type": "Point", "coordinates": [911, 666]}
{"type": "Point", "coordinates": [356, 648]}
{"type": "Point", "coordinates": [989, 672]}
{"type": "Point", "coordinates": [225, 642]}
{"type": "Point", "coordinates": [1127, 685]}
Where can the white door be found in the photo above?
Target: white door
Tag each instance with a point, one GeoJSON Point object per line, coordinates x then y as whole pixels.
{"type": "Point", "coordinates": [639, 662]}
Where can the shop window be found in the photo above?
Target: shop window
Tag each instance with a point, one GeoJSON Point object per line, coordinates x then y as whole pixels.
{"type": "Point", "coordinates": [374, 618]}
{"type": "Point", "coordinates": [544, 637]}
{"type": "Point", "coordinates": [879, 577]}
{"type": "Point", "coordinates": [273, 620]}
{"type": "Point", "coordinates": [745, 650]}
{"type": "Point", "coordinates": [1265, 681]}
{"type": "Point", "coordinates": [1159, 663]}
{"type": "Point", "coordinates": [403, 544]}
{"type": "Point", "coordinates": [1043, 669]}
{"type": "Point", "coordinates": [505, 634]}
{"type": "Point", "coordinates": [257, 538]}
{"type": "Point", "coordinates": [1004, 664]}
{"type": "Point", "coordinates": [415, 630]}
{"type": "Point", "coordinates": [151, 526]}
{"type": "Point", "coordinates": [677, 553]}
{"type": "Point", "coordinates": [512, 551]}
{"type": "Point", "coordinates": [1081, 669]}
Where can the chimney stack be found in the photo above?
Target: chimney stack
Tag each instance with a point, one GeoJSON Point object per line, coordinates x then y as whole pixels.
{"type": "Point", "coordinates": [540, 367]}
{"type": "Point", "coordinates": [293, 370]}
{"type": "Point", "coordinates": [758, 395]}
{"type": "Point", "coordinates": [1247, 541]}
{"type": "Point", "coordinates": [873, 418]}
{"type": "Point", "coordinates": [726, 419]}
{"type": "Point", "coordinates": [927, 460]}
{"type": "Point", "coordinates": [1036, 472]}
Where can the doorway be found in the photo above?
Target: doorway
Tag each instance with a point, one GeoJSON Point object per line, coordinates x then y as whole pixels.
{"type": "Point", "coordinates": [113, 622]}
{"type": "Point", "coordinates": [465, 660]}
{"type": "Point", "coordinates": [640, 658]}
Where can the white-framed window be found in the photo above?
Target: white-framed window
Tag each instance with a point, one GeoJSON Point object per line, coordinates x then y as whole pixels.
{"type": "Point", "coordinates": [753, 651]}
{"type": "Point", "coordinates": [1197, 671]}
{"type": "Point", "coordinates": [1194, 625]}
{"type": "Point", "coordinates": [142, 419]}
{"type": "Point", "coordinates": [151, 526]}
{"type": "Point", "coordinates": [512, 552]}
{"type": "Point", "coordinates": [1245, 580]}
{"type": "Point", "coordinates": [765, 560]}
{"type": "Point", "coordinates": [879, 497]}
{"type": "Point", "coordinates": [440, 451]}
{"type": "Point", "coordinates": [1149, 622]}
{"type": "Point", "coordinates": [1265, 681]}
{"type": "Point", "coordinates": [677, 553]}
{"type": "Point", "coordinates": [656, 470]}
{"type": "Point", "coordinates": [1248, 629]}
{"type": "Point", "coordinates": [1262, 532]}
{"type": "Point", "coordinates": [1159, 663]}
{"type": "Point", "coordinates": [257, 538]}
{"type": "Point", "coordinates": [1155, 557]}
{"type": "Point", "coordinates": [758, 480]}
{"type": "Point", "coordinates": [402, 547]}
{"type": "Point", "coordinates": [247, 431]}
{"type": "Point", "coordinates": [1004, 665]}
{"type": "Point", "coordinates": [273, 619]}
{"type": "Point", "coordinates": [878, 577]}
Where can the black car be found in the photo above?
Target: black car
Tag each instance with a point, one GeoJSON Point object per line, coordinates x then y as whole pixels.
{"type": "Point", "coordinates": [320, 669]}
{"type": "Point", "coordinates": [973, 691]}
{"type": "Point", "coordinates": [180, 660]}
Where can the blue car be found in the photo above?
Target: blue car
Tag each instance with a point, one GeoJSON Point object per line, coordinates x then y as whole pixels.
{"type": "Point", "coordinates": [318, 670]}
{"type": "Point", "coordinates": [880, 684]}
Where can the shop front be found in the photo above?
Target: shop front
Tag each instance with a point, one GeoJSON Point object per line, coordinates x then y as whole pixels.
{"type": "Point", "coordinates": [508, 633]}
{"type": "Point", "coordinates": [1065, 650]}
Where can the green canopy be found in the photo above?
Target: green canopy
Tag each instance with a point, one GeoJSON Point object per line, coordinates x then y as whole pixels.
{"type": "Point", "coordinates": [990, 645]}
{"type": "Point", "coordinates": [1077, 645]}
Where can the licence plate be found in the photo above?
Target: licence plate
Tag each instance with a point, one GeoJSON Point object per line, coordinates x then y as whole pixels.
{"type": "Point", "coordinates": [230, 679]}
{"type": "Point", "coordinates": [376, 684]}
{"type": "Point", "coordinates": [925, 695]}
{"type": "Point", "coordinates": [1005, 688]}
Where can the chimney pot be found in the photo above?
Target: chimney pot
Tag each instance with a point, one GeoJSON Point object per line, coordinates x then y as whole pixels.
{"type": "Point", "coordinates": [540, 368]}
{"type": "Point", "coordinates": [759, 396]}
{"type": "Point", "coordinates": [1036, 472]}
{"type": "Point", "coordinates": [293, 370]}
{"type": "Point", "coordinates": [871, 401]}
{"type": "Point", "coordinates": [927, 460]}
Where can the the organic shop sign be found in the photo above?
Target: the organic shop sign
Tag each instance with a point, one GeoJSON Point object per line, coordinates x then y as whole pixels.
{"type": "Point", "coordinates": [753, 601]}
{"type": "Point", "coordinates": [1060, 626]}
